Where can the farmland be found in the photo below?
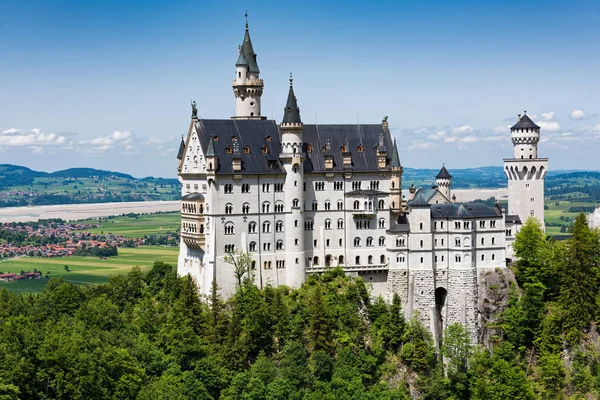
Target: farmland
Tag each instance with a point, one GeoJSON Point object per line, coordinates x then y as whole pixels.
{"type": "Point", "coordinates": [137, 226]}
{"type": "Point", "coordinates": [85, 270]}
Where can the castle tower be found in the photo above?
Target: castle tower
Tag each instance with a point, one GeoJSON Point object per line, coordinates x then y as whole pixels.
{"type": "Point", "coordinates": [443, 180]}
{"type": "Point", "coordinates": [292, 158]}
{"type": "Point", "coordinates": [247, 86]}
{"type": "Point", "coordinates": [396, 181]}
{"type": "Point", "coordinates": [526, 172]}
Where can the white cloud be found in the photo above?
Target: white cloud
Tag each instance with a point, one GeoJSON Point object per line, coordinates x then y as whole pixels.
{"type": "Point", "coordinates": [462, 129]}
{"type": "Point", "coordinates": [577, 115]}
{"type": "Point", "coordinates": [548, 116]}
{"type": "Point", "coordinates": [437, 136]}
{"type": "Point", "coordinates": [120, 138]}
{"type": "Point", "coordinates": [424, 145]}
{"type": "Point", "coordinates": [34, 137]}
{"type": "Point", "coordinates": [549, 126]}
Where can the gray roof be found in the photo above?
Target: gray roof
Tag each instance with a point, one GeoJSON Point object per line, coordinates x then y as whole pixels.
{"type": "Point", "coordinates": [251, 133]}
{"type": "Point", "coordinates": [423, 196]}
{"type": "Point", "coordinates": [254, 133]}
{"type": "Point", "coordinates": [352, 135]}
{"type": "Point", "coordinates": [395, 158]}
{"type": "Point", "coordinates": [400, 226]}
{"type": "Point", "coordinates": [181, 149]}
{"type": "Point", "coordinates": [515, 219]}
{"type": "Point", "coordinates": [291, 112]}
{"type": "Point", "coordinates": [241, 60]}
{"type": "Point", "coordinates": [193, 196]}
{"type": "Point", "coordinates": [525, 122]}
{"type": "Point", "coordinates": [248, 52]}
{"type": "Point", "coordinates": [464, 210]}
{"type": "Point", "coordinates": [443, 174]}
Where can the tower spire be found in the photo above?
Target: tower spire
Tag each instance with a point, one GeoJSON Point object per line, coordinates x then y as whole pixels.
{"type": "Point", "coordinates": [291, 113]}
{"type": "Point", "coordinates": [246, 21]}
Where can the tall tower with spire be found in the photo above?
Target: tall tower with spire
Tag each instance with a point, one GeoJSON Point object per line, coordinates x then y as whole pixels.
{"type": "Point", "coordinates": [292, 158]}
{"type": "Point", "coordinates": [247, 86]}
{"type": "Point", "coordinates": [526, 172]}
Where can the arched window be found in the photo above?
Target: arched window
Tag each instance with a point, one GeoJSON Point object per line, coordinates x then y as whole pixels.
{"type": "Point", "coordinates": [228, 208]}
{"type": "Point", "coordinates": [327, 205]}
{"type": "Point", "coordinates": [369, 241]}
{"type": "Point", "coordinates": [381, 223]}
{"type": "Point", "coordinates": [315, 260]}
{"type": "Point", "coordinates": [266, 227]}
{"type": "Point", "coordinates": [265, 207]}
{"type": "Point", "coordinates": [252, 247]}
{"type": "Point", "coordinates": [296, 203]}
{"type": "Point", "coordinates": [382, 241]}
{"type": "Point", "coordinates": [279, 245]}
{"type": "Point", "coordinates": [308, 224]}
{"type": "Point", "coordinates": [382, 259]}
{"type": "Point", "coordinates": [357, 260]}
{"type": "Point", "coordinates": [370, 259]}
{"type": "Point", "coordinates": [279, 226]}
{"type": "Point", "coordinates": [327, 224]}
{"type": "Point", "coordinates": [381, 204]}
{"type": "Point", "coordinates": [341, 260]}
{"type": "Point", "coordinates": [400, 241]}
{"type": "Point", "coordinates": [245, 208]}
{"type": "Point", "coordinates": [457, 242]}
{"type": "Point", "coordinates": [315, 205]}
{"type": "Point", "coordinates": [279, 207]}
{"type": "Point", "coordinates": [252, 227]}
{"type": "Point", "coordinates": [340, 223]}
{"type": "Point", "coordinates": [356, 204]}
{"type": "Point", "coordinates": [400, 258]}
{"type": "Point", "coordinates": [229, 228]}
{"type": "Point", "coordinates": [356, 242]}
{"type": "Point", "coordinates": [340, 205]}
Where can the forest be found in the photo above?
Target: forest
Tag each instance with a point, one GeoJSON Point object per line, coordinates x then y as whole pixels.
{"type": "Point", "coordinates": [151, 336]}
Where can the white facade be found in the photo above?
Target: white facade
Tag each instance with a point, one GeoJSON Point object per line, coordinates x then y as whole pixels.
{"type": "Point", "coordinates": [343, 211]}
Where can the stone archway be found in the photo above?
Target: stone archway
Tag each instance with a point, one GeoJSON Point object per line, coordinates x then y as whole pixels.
{"type": "Point", "coordinates": [440, 312]}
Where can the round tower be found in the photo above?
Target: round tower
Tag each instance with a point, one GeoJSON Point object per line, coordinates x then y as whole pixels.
{"type": "Point", "coordinates": [292, 158]}
{"type": "Point", "coordinates": [247, 86]}
{"type": "Point", "coordinates": [526, 172]}
{"type": "Point", "coordinates": [443, 181]}
{"type": "Point", "coordinates": [525, 136]}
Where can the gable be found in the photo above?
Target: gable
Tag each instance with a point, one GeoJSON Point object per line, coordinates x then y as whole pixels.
{"type": "Point", "coordinates": [193, 160]}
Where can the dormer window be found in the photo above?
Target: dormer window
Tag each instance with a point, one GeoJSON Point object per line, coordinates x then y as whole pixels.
{"type": "Point", "coordinates": [289, 109]}
{"type": "Point", "coordinates": [233, 138]}
{"type": "Point", "coordinates": [229, 150]}
{"type": "Point", "coordinates": [344, 149]}
{"type": "Point", "coordinates": [247, 150]}
{"type": "Point", "coordinates": [361, 148]}
{"type": "Point", "coordinates": [265, 150]}
{"type": "Point", "coordinates": [309, 149]}
{"type": "Point", "coordinates": [325, 148]}
{"type": "Point", "coordinates": [268, 138]}
{"type": "Point", "coordinates": [216, 138]}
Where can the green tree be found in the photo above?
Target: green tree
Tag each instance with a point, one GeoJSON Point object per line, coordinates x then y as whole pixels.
{"type": "Point", "coordinates": [456, 350]}
{"type": "Point", "coordinates": [578, 277]}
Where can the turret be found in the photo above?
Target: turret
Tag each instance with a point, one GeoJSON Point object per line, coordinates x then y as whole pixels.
{"type": "Point", "coordinates": [292, 159]}
{"type": "Point", "coordinates": [247, 86]}
{"type": "Point", "coordinates": [525, 135]}
{"type": "Point", "coordinates": [396, 179]}
{"type": "Point", "coordinates": [443, 181]}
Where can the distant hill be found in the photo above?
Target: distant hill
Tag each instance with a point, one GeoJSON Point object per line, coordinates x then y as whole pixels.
{"type": "Point", "coordinates": [22, 186]}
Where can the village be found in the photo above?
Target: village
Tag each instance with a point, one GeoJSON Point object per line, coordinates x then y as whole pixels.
{"type": "Point", "coordinates": [57, 238]}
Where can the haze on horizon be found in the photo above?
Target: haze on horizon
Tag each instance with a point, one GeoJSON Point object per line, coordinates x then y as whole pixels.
{"type": "Point", "coordinates": [108, 85]}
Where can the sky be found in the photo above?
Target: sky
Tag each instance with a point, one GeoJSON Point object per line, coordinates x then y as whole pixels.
{"type": "Point", "coordinates": [107, 84]}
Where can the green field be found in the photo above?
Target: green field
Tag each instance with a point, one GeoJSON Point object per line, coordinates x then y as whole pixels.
{"type": "Point", "coordinates": [554, 212]}
{"type": "Point", "coordinates": [138, 226]}
{"type": "Point", "coordinates": [85, 270]}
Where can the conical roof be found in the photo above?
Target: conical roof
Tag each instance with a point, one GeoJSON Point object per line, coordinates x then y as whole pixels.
{"type": "Point", "coordinates": [443, 174]}
{"type": "Point", "coordinates": [525, 122]}
{"type": "Point", "coordinates": [210, 151]}
{"type": "Point", "coordinates": [241, 60]}
{"type": "Point", "coordinates": [248, 52]}
{"type": "Point", "coordinates": [395, 158]}
{"type": "Point", "coordinates": [291, 113]}
{"type": "Point", "coordinates": [181, 149]}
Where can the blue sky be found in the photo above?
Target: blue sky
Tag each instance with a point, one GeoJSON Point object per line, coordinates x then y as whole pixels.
{"type": "Point", "coordinates": [107, 84]}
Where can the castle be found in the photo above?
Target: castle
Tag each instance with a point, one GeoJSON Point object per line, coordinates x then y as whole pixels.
{"type": "Point", "coordinates": [300, 199]}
